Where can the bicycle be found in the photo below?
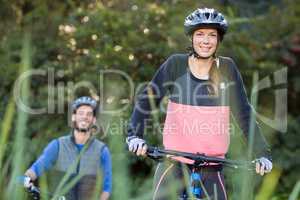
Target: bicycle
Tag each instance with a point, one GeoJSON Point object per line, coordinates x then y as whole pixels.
{"type": "Point", "coordinates": [200, 160]}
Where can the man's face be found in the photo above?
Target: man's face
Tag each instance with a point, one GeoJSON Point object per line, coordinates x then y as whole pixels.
{"type": "Point", "coordinates": [205, 41]}
{"type": "Point", "coordinates": [83, 118]}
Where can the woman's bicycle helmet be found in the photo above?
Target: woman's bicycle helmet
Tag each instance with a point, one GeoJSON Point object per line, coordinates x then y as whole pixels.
{"type": "Point", "coordinates": [205, 17]}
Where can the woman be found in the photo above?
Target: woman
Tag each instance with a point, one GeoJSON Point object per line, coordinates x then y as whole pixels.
{"type": "Point", "coordinates": [203, 90]}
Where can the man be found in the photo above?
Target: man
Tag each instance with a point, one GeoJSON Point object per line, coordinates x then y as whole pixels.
{"type": "Point", "coordinates": [78, 153]}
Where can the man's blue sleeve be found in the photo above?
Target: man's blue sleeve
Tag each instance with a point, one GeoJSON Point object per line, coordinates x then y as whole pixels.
{"type": "Point", "coordinates": [106, 170]}
{"type": "Point", "coordinates": [47, 159]}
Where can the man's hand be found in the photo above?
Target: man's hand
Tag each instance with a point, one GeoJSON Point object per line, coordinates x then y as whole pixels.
{"type": "Point", "coordinates": [104, 196]}
{"type": "Point", "coordinates": [27, 182]}
{"type": "Point", "coordinates": [136, 145]}
{"type": "Point", "coordinates": [263, 165]}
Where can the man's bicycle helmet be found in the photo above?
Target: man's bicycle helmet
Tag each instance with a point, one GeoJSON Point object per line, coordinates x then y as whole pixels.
{"type": "Point", "coordinates": [84, 100]}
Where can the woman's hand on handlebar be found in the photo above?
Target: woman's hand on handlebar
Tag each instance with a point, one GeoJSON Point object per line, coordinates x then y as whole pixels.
{"type": "Point", "coordinates": [137, 145]}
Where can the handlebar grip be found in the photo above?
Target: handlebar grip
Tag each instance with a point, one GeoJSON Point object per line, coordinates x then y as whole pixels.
{"type": "Point", "coordinates": [20, 179]}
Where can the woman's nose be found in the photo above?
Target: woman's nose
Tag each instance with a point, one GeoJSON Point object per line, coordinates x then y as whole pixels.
{"type": "Point", "coordinates": [205, 39]}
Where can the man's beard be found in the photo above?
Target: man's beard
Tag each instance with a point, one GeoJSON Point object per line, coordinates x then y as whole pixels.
{"type": "Point", "coordinates": [83, 130]}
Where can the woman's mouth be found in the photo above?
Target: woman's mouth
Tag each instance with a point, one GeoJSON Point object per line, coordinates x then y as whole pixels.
{"type": "Point", "coordinates": [205, 49]}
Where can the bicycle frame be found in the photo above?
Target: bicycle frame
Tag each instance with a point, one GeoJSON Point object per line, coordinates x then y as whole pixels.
{"type": "Point", "coordinates": [157, 153]}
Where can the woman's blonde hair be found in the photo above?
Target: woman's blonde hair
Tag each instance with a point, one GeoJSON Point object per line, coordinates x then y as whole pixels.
{"type": "Point", "coordinates": [214, 77]}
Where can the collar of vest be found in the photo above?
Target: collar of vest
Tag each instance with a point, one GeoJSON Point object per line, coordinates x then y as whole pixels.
{"type": "Point", "coordinates": [72, 138]}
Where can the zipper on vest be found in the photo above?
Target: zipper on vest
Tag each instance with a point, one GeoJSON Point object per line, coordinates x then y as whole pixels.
{"type": "Point", "coordinates": [78, 164]}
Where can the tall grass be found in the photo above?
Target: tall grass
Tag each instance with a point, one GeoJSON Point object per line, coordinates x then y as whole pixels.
{"type": "Point", "coordinates": [17, 164]}
{"type": "Point", "coordinates": [296, 191]}
{"type": "Point", "coordinates": [116, 140]}
{"type": "Point", "coordinates": [269, 184]}
{"type": "Point", "coordinates": [248, 178]}
{"type": "Point", "coordinates": [6, 127]}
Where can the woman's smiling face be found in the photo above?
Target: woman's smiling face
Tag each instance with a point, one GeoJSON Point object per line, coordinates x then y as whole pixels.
{"type": "Point", "coordinates": [205, 42]}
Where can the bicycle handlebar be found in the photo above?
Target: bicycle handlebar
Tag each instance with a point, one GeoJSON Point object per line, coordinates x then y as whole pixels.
{"type": "Point", "coordinates": [35, 192]}
{"type": "Point", "coordinates": [157, 153]}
